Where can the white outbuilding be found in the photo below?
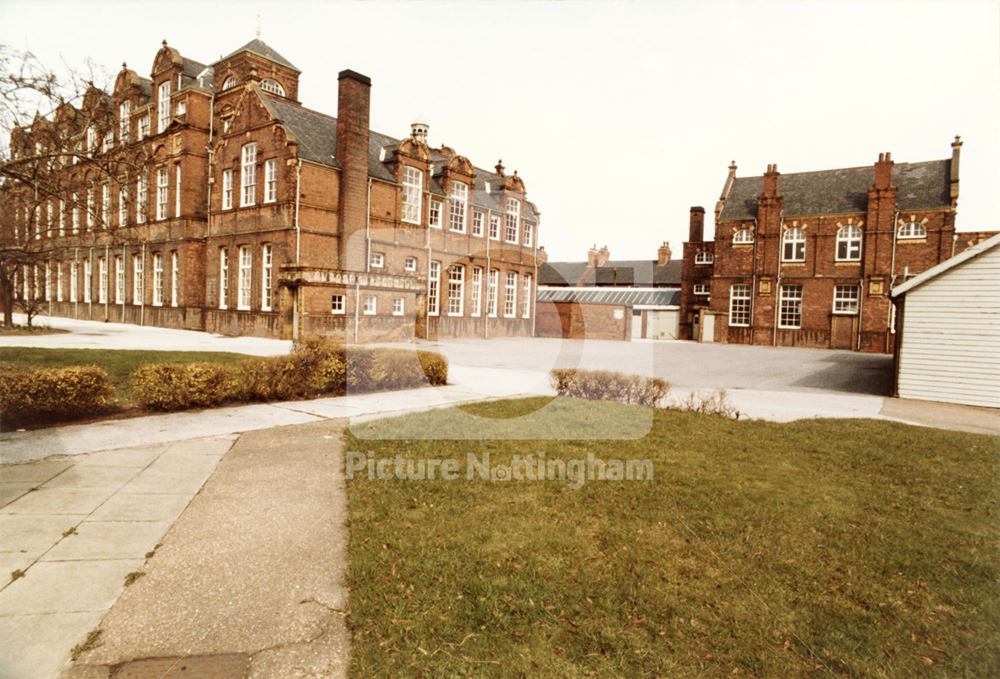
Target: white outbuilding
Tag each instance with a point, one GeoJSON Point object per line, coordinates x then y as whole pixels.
{"type": "Point", "coordinates": [948, 330]}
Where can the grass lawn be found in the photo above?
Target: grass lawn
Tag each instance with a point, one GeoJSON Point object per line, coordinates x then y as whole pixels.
{"type": "Point", "coordinates": [25, 330]}
{"type": "Point", "coordinates": [816, 548]}
{"type": "Point", "coordinates": [119, 363]}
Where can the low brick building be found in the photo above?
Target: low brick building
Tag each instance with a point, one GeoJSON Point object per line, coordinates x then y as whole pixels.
{"type": "Point", "coordinates": [809, 258]}
{"type": "Point", "coordinates": [230, 207]}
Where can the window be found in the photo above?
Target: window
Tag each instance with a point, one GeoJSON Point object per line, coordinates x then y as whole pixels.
{"type": "Point", "coordinates": [74, 283]}
{"type": "Point", "coordinates": [272, 86]}
{"type": "Point", "coordinates": [377, 260]}
{"type": "Point", "coordinates": [491, 293]}
{"type": "Point", "coordinates": [105, 205]}
{"type": "Point", "coordinates": [529, 234]}
{"type": "Point", "coordinates": [91, 140]}
{"type": "Point", "coordinates": [75, 213]}
{"type": "Point", "coordinates": [230, 83]}
{"type": "Point", "coordinates": [704, 258]}
{"type": "Point", "coordinates": [371, 305]}
{"type": "Point", "coordinates": [163, 107]}
{"type": "Point", "coordinates": [397, 306]}
{"type": "Point", "coordinates": [435, 214]}
{"type": "Point", "coordinates": [143, 130]}
{"type": "Point", "coordinates": [494, 227]}
{"type": "Point", "coordinates": [477, 223]}
{"type": "Point", "coordinates": [177, 190]}
{"type": "Point", "coordinates": [223, 278]}
{"type": "Point", "coordinates": [270, 180]}
{"type": "Point", "coordinates": [138, 281]}
{"type": "Point", "coordinates": [157, 279]}
{"type": "Point", "coordinates": [49, 210]}
{"type": "Point", "coordinates": [510, 295]}
{"type": "Point", "coordinates": [513, 220]}
{"type": "Point", "coordinates": [175, 282]}
{"type": "Point", "coordinates": [48, 282]}
{"type": "Point", "coordinates": [162, 180]}
{"type": "Point", "coordinates": [266, 274]}
{"type": "Point", "coordinates": [248, 177]}
{"type": "Point", "coordinates": [413, 181]}
{"type": "Point", "coordinates": [790, 312]}
{"type": "Point", "coordinates": [90, 210]}
{"type": "Point", "coordinates": [433, 288]}
{"type": "Point", "coordinates": [337, 305]}
{"type": "Point", "coordinates": [913, 229]}
{"type": "Point", "coordinates": [456, 289]}
{"type": "Point", "coordinates": [140, 201]}
{"type": "Point", "coordinates": [181, 108]}
{"type": "Point", "coordinates": [243, 282]}
{"type": "Point", "coordinates": [526, 296]}
{"type": "Point", "coordinates": [701, 289]}
{"type": "Point", "coordinates": [108, 141]}
{"type": "Point", "coordinates": [119, 279]}
{"type": "Point", "coordinates": [845, 299]}
{"type": "Point", "coordinates": [458, 200]}
{"type": "Point", "coordinates": [227, 189]}
{"type": "Point", "coordinates": [793, 247]}
{"type": "Point", "coordinates": [38, 283]}
{"type": "Point", "coordinates": [122, 205]}
{"type": "Point", "coordinates": [743, 237]}
{"type": "Point", "coordinates": [59, 281]}
{"type": "Point", "coordinates": [848, 244]}
{"type": "Point", "coordinates": [124, 121]}
{"type": "Point", "coordinates": [739, 306]}
{"type": "Point", "coordinates": [411, 264]}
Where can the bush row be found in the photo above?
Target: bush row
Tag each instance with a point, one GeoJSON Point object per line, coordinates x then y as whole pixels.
{"type": "Point", "coordinates": [604, 385]}
{"type": "Point", "coordinates": [313, 368]}
{"type": "Point", "coordinates": [40, 394]}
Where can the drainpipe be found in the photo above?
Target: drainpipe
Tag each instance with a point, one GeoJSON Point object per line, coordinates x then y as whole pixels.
{"type": "Point", "coordinates": [298, 230]}
{"type": "Point", "coordinates": [142, 301]}
{"type": "Point", "coordinates": [777, 282]}
{"type": "Point", "coordinates": [107, 291]}
{"type": "Point", "coordinates": [76, 298]}
{"type": "Point", "coordinates": [892, 278]}
{"type": "Point", "coordinates": [488, 277]}
{"type": "Point", "coordinates": [368, 230]}
{"type": "Point", "coordinates": [753, 275]}
{"type": "Point", "coordinates": [430, 254]}
{"type": "Point", "coordinates": [533, 296]}
{"type": "Point", "coordinates": [124, 280]}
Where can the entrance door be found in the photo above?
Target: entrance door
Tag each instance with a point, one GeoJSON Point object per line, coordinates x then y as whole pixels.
{"type": "Point", "coordinates": [708, 328]}
{"type": "Point", "coordinates": [841, 332]}
{"type": "Point", "coordinates": [636, 324]}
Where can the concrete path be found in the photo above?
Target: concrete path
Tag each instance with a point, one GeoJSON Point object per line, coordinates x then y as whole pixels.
{"type": "Point", "coordinates": [252, 588]}
{"type": "Point", "coordinates": [72, 528]}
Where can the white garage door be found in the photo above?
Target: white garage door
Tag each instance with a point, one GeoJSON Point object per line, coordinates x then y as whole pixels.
{"type": "Point", "coordinates": [664, 324]}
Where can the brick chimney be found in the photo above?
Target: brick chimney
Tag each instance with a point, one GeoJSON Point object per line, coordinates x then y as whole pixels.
{"type": "Point", "coordinates": [353, 105]}
{"type": "Point", "coordinates": [596, 258]}
{"type": "Point", "coordinates": [696, 225]}
{"type": "Point", "coordinates": [663, 253]}
{"type": "Point", "coordinates": [771, 181]}
{"type": "Point", "coordinates": [883, 171]}
{"type": "Point", "coordinates": [956, 151]}
{"type": "Point", "coordinates": [541, 256]}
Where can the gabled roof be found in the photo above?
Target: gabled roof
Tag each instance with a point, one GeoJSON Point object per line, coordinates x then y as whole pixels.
{"type": "Point", "coordinates": [262, 49]}
{"type": "Point", "coordinates": [921, 186]}
{"type": "Point", "coordinates": [947, 264]}
{"type": "Point", "coordinates": [621, 272]}
{"type": "Point", "coordinates": [626, 296]}
{"type": "Point", "coordinates": [564, 273]}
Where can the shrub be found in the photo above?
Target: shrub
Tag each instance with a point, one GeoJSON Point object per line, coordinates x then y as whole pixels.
{"type": "Point", "coordinates": [168, 386]}
{"type": "Point", "coordinates": [53, 393]}
{"type": "Point", "coordinates": [435, 367]}
{"type": "Point", "coordinates": [603, 385]}
{"type": "Point", "coordinates": [715, 404]}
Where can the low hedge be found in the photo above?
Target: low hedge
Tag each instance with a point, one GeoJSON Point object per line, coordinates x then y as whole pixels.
{"type": "Point", "coordinates": [33, 395]}
{"type": "Point", "coordinates": [604, 385]}
{"type": "Point", "coordinates": [177, 386]}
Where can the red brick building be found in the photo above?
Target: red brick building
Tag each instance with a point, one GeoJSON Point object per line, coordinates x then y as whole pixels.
{"type": "Point", "coordinates": [223, 204]}
{"type": "Point", "coordinates": [809, 259]}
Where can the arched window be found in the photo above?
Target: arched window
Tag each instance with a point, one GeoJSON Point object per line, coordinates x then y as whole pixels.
{"type": "Point", "coordinates": [230, 83]}
{"type": "Point", "coordinates": [703, 258]}
{"type": "Point", "coordinates": [848, 244]}
{"type": "Point", "coordinates": [743, 237]}
{"type": "Point", "coordinates": [793, 245]}
{"type": "Point", "coordinates": [913, 230]}
{"type": "Point", "coordinates": [272, 86]}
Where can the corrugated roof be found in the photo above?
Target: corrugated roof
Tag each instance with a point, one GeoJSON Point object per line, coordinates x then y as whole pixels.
{"type": "Point", "coordinates": [921, 186]}
{"type": "Point", "coordinates": [624, 296]}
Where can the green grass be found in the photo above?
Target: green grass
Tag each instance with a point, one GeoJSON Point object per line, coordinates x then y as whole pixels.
{"type": "Point", "coordinates": [119, 363]}
{"type": "Point", "coordinates": [816, 548]}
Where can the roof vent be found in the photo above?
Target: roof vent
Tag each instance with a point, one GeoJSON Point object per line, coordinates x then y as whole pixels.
{"type": "Point", "coordinates": [419, 129]}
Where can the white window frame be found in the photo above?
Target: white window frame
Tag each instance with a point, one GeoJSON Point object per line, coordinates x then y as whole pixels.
{"type": "Point", "coordinates": [105, 205]}
{"type": "Point", "coordinates": [74, 283]}
{"type": "Point", "coordinates": [74, 221]}
{"type": "Point", "coordinates": [377, 260]}
{"type": "Point", "coordinates": [157, 279]}
{"type": "Point", "coordinates": [143, 127]}
{"type": "Point", "coordinates": [163, 107]}
{"type": "Point", "coordinates": [434, 213]}
{"type": "Point", "coordinates": [48, 281]}
{"type": "Point", "coordinates": [912, 229]}
{"type": "Point", "coordinates": [743, 237]}
{"type": "Point", "coordinates": [458, 202]}
{"type": "Point", "coordinates": [270, 180]}
{"type": "Point", "coordinates": [456, 290]}
{"type": "Point", "coordinates": [59, 281]}
{"type": "Point", "coordinates": [266, 275]}
{"type": "Point", "coordinates": [119, 279]}
{"type": "Point", "coordinates": [90, 210]}
{"type": "Point", "coordinates": [846, 299]}
{"type": "Point", "coordinates": [701, 289]}
{"type": "Point", "coordinates": [175, 271]}
{"type": "Point", "coordinates": [248, 175]}
{"type": "Point", "coordinates": [141, 197]}
{"type": "Point", "coordinates": [370, 305]}
{"type": "Point", "coordinates": [411, 264]}
{"type": "Point", "coordinates": [434, 288]}
{"type": "Point", "coordinates": [704, 257]}
{"type": "Point", "coordinates": [413, 193]}
{"type": "Point", "coordinates": [790, 307]}
{"type": "Point", "coordinates": [177, 190]}
{"type": "Point", "coordinates": [272, 86]}
{"type": "Point", "coordinates": [223, 278]}
{"type": "Point", "coordinates": [162, 189]}
{"type": "Point", "coordinates": [492, 286]}
{"type": "Point", "coordinates": [512, 225]}
{"type": "Point", "coordinates": [138, 279]}
{"type": "Point", "coordinates": [494, 227]}
{"type": "Point", "coordinates": [227, 189]}
{"type": "Point", "coordinates": [510, 295]}
{"type": "Point", "coordinates": [529, 234]}
{"type": "Point", "coordinates": [338, 304]}
{"type": "Point", "coordinates": [848, 238]}
{"type": "Point", "coordinates": [398, 306]}
{"type": "Point", "coordinates": [477, 222]}
{"type": "Point", "coordinates": [244, 279]}
{"type": "Point", "coordinates": [739, 305]}
{"type": "Point", "coordinates": [124, 121]}
{"type": "Point", "coordinates": [793, 245]}
{"type": "Point", "coordinates": [122, 205]}
{"type": "Point", "coordinates": [477, 291]}
{"type": "Point", "coordinates": [526, 282]}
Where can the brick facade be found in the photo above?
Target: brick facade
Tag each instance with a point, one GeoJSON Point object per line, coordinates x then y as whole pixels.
{"type": "Point", "coordinates": [263, 217]}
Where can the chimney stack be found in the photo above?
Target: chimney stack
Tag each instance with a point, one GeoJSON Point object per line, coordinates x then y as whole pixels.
{"type": "Point", "coordinates": [696, 225]}
{"type": "Point", "coordinates": [353, 106]}
{"type": "Point", "coordinates": [541, 256]}
{"type": "Point", "coordinates": [956, 151]}
{"type": "Point", "coordinates": [603, 255]}
{"type": "Point", "coordinates": [663, 254]}
{"type": "Point", "coordinates": [883, 171]}
{"type": "Point", "coordinates": [771, 181]}
{"type": "Point", "coordinates": [596, 258]}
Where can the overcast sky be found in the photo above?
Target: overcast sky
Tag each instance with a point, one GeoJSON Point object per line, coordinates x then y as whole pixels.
{"type": "Point", "coordinates": [618, 116]}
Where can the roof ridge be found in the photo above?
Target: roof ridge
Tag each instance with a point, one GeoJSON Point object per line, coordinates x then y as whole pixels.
{"type": "Point", "coordinates": [853, 167]}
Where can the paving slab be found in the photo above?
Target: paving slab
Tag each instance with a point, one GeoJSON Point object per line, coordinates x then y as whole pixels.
{"type": "Point", "coordinates": [36, 474]}
{"type": "Point", "coordinates": [181, 462]}
{"type": "Point", "coordinates": [23, 534]}
{"type": "Point", "coordinates": [11, 491]}
{"type": "Point", "coordinates": [141, 507]}
{"type": "Point", "coordinates": [155, 481]}
{"type": "Point", "coordinates": [92, 477]}
{"type": "Point", "coordinates": [55, 501]}
{"type": "Point", "coordinates": [13, 561]}
{"type": "Point", "coordinates": [48, 586]}
{"type": "Point", "coordinates": [109, 540]}
{"type": "Point", "coordinates": [41, 642]}
{"type": "Point", "coordinates": [121, 457]}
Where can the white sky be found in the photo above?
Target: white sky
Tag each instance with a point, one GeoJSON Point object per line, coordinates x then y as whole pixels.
{"type": "Point", "coordinates": [619, 116]}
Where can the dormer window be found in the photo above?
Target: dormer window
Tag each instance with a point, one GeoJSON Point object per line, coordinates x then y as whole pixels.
{"type": "Point", "coordinates": [272, 86]}
{"type": "Point", "coordinates": [230, 83]}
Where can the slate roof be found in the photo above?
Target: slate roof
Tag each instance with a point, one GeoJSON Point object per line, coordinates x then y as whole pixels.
{"type": "Point", "coordinates": [622, 272]}
{"type": "Point", "coordinates": [262, 49]}
{"type": "Point", "coordinates": [921, 186]}
{"type": "Point", "coordinates": [626, 296]}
